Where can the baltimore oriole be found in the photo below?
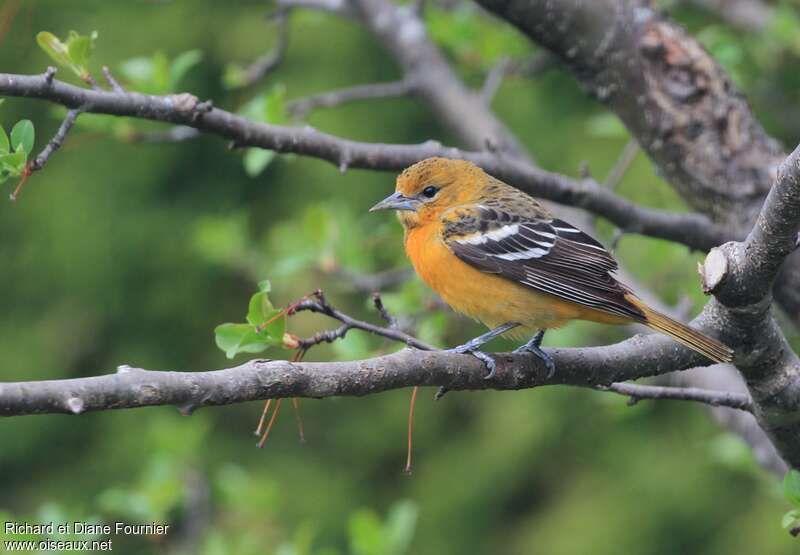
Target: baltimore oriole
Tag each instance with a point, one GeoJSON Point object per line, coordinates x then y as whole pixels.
{"type": "Point", "coordinates": [496, 254]}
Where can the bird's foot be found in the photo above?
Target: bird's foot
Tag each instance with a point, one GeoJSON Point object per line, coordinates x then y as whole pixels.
{"type": "Point", "coordinates": [534, 346]}
{"type": "Point", "coordinates": [473, 346]}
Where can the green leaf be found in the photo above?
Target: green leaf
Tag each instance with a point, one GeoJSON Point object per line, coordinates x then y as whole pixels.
{"type": "Point", "coordinates": [790, 519]}
{"type": "Point", "coordinates": [259, 311]}
{"type": "Point", "coordinates": [3, 140]}
{"type": "Point", "coordinates": [14, 162]}
{"type": "Point", "coordinates": [791, 487]}
{"type": "Point", "coordinates": [181, 65]}
{"type": "Point", "coordinates": [79, 48]}
{"type": "Point", "coordinates": [256, 160]}
{"type": "Point", "coordinates": [54, 48]}
{"type": "Point", "coordinates": [22, 134]}
{"type": "Point", "coordinates": [240, 338]}
{"type": "Point", "coordinates": [73, 54]}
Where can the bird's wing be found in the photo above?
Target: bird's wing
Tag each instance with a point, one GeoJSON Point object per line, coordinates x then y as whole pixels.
{"type": "Point", "coordinates": [548, 255]}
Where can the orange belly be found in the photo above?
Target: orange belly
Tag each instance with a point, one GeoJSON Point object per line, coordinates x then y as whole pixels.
{"type": "Point", "coordinates": [492, 299]}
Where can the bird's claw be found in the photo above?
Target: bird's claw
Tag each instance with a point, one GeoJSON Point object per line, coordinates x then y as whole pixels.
{"type": "Point", "coordinates": [533, 346]}
{"type": "Point", "coordinates": [472, 347]}
{"type": "Point", "coordinates": [491, 365]}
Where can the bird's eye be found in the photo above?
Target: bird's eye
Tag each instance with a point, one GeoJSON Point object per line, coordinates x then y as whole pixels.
{"type": "Point", "coordinates": [429, 192]}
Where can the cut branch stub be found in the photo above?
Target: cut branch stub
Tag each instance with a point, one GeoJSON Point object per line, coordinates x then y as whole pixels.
{"type": "Point", "coordinates": [713, 271]}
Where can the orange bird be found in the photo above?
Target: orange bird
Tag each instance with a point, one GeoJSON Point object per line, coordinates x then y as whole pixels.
{"type": "Point", "coordinates": [496, 254]}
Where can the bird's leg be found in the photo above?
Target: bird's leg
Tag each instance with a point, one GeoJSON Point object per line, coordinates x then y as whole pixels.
{"type": "Point", "coordinates": [473, 346]}
{"type": "Point", "coordinates": [534, 346]}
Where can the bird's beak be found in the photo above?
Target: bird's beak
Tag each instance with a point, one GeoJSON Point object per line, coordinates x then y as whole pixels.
{"type": "Point", "coordinates": [396, 201]}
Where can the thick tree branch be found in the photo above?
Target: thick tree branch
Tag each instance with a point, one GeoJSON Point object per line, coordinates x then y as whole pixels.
{"type": "Point", "coordinates": [637, 357]}
{"type": "Point", "coordinates": [130, 387]}
{"type": "Point", "coordinates": [403, 34]}
{"type": "Point", "coordinates": [677, 102]}
{"type": "Point", "coordinates": [673, 97]}
{"type": "Point", "coordinates": [740, 275]}
{"type": "Point", "coordinates": [693, 230]}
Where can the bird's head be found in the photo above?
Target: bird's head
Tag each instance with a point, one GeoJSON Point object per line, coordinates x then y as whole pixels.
{"type": "Point", "coordinates": [429, 187]}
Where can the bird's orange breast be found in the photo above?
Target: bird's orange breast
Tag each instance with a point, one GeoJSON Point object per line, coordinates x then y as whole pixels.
{"type": "Point", "coordinates": [490, 298]}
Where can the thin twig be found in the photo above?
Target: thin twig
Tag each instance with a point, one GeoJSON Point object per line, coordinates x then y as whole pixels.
{"type": "Point", "coordinates": [321, 306]}
{"type": "Point", "coordinates": [52, 145]}
{"type": "Point", "coordinates": [382, 310]}
{"type": "Point", "coordinates": [57, 141]}
{"type": "Point", "coordinates": [112, 82]}
{"type": "Point", "coordinates": [302, 106]}
{"type": "Point", "coordinates": [638, 392]}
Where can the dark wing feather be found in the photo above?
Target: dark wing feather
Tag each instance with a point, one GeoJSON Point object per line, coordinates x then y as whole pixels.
{"type": "Point", "coordinates": [548, 255]}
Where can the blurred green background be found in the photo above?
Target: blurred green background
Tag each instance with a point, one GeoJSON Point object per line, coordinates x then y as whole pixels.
{"type": "Point", "coordinates": [127, 252]}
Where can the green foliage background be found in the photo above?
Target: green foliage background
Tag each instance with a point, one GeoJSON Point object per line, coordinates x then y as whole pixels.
{"type": "Point", "coordinates": [121, 253]}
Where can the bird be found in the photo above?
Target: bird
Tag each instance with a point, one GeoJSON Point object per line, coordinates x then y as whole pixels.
{"type": "Point", "coordinates": [498, 255]}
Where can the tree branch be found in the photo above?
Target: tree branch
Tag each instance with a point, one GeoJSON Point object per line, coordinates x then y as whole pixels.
{"type": "Point", "coordinates": [678, 103]}
{"type": "Point", "coordinates": [130, 387]}
{"type": "Point", "coordinates": [637, 392]}
{"type": "Point", "coordinates": [740, 275]}
{"type": "Point", "coordinates": [57, 141]}
{"type": "Point", "coordinates": [402, 32]}
{"type": "Point", "coordinates": [693, 230]}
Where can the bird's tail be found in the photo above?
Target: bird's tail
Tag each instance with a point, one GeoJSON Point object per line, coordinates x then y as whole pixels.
{"type": "Point", "coordinates": [706, 346]}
